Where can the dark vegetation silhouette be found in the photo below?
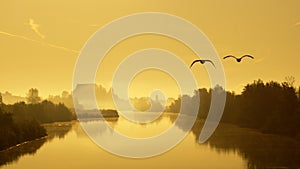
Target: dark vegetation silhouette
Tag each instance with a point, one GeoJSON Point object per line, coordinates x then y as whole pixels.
{"type": "Point", "coordinates": [270, 107]}
{"type": "Point", "coordinates": [94, 113]}
{"type": "Point", "coordinates": [56, 130]}
{"type": "Point", "coordinates": [20, 122]}
{"type": "Point", "coordinates": [13, 133]}
{"type": "Point", "coordinates": [44, 112]}
{"type": "Point", "coordinates": [258, 149]}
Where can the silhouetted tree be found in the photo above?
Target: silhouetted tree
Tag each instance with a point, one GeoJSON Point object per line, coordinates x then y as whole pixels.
{"type": "Point", "coordinates": [33, 96]}
{"type": "Point", "coordinates": [269, 107]}
{"type": "Point", "coordinates": [289, 81]}
{"type": "Point", "coordinates": [13, 132]}
{"type": "Point", "coordinates": [205, 98]}
{"type": "Point", "coordinates": [1, 101]}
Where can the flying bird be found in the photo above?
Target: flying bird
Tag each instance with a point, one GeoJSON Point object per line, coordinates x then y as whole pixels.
{"type": "Point", "coordinates": [239, 59]}
{"type": "Point", "coordinates": [202, 62]}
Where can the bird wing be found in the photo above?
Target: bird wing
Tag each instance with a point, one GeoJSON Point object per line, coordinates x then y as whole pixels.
{"type": "Point", "coordinates": [247, 56]}
{"type": "Point", "coordinates": [210, 62]}
{"type": "Point", "coordinates": [194, 62]}
{"type": "Point", "coordinates": [228, 56]}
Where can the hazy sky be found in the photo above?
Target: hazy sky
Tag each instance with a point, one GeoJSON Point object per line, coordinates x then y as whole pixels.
{"type": "Point", "coordinates": [40, 40]}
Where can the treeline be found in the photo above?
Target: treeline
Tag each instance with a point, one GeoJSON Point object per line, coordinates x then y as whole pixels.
{"type": "Point", "coordinates": [13, 133]}
{"type": "Point", "coordinates": [43, 112]}
{"type": "Point", "coordinates": [270, 107]}
{"type": "Point", "coordinates": [20, 122]}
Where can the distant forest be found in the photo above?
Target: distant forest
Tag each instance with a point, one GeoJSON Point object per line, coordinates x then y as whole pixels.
{"type": "Point", "coordinates": [104, 99]}
{"type": "Point", "coordinates": [270, 107]}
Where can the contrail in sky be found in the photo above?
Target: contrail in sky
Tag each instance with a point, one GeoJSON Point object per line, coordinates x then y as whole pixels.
{"type": "Point", "coordinates": [35, 27]}
{"type": "Point", "coordinates": [18, 36]}
{"type": "Point", "coordinates": [39, 42]}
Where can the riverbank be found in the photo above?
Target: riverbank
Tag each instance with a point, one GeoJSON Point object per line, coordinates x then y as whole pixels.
{"type": "Point", "coordinates": [21, 122]}
{"type": "Point", "coordinates": [13, 134]}
{"type": "Point", "coordinates": [22, 144]}
{"type": "Point", "coordinates": [260, 149]}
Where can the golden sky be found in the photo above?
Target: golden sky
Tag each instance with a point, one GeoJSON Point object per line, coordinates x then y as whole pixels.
{"type": "Point", "coordinates": [40, 40]}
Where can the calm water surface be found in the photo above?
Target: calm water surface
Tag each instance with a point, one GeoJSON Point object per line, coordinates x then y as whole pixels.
{"type": "Point", "coordinates": [68, 147]}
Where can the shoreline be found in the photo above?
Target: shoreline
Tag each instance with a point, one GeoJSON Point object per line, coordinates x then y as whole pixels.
{"type": "Point", "coordinates": [22, 143]}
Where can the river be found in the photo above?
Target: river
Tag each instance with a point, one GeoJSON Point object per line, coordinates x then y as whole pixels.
{"type": "Point", "coordinates": [68, 147]}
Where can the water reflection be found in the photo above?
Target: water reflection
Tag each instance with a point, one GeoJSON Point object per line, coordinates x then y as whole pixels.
{"type": "Point", "coordinates": [54, 130]}
{"type": "Point", "coordinates": [229, 146]}
{"type": "Point", "coordinates": [58, 130]}
{"type": "Point", "coordinates": [119, 142]}
{"type": "Point", "coordinates": [260, 150]}
{"type": "Point", "coordinates": [13, 154]}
